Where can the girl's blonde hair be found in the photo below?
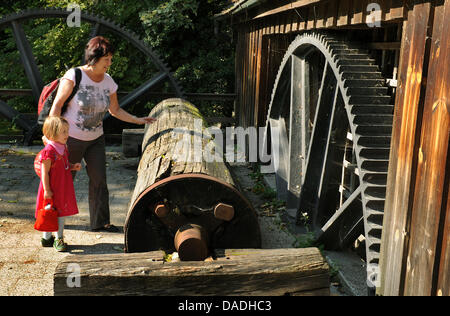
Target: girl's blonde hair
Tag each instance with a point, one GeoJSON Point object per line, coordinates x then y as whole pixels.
{"type": "Point", "coordinates": [53, 125]}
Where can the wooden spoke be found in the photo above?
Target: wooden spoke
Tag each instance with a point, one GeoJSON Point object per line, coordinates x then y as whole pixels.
{"type": "Point", "coordinates": [318, 143]}
{"type": "Point", "coordinates": [138, 92]}
{"type": "Point", "coordinates": [11, 114]}
{"type": "Point", "coordinates": [305, 113]}
{"type": "Point", "coordinates": [328, 232]}
{"type": "Point", "coordinates": [280, 145]}
{"type": "Point", "coordinates": [326, 163]}
{"type": "Point", "coordinates": [27, 58]}
{"type": "Point", "coordinates": [295, 133]}
{"type": "Point", "coordinates": [279, 132]}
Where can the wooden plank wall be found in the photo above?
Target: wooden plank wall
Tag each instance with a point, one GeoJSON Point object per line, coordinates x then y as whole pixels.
{"type": "Point", "coordinates": [257, 60]}
{"type": "Point", "coordinates": [429, 199]}
{"type": "Point", "coordinates": [415, 252]}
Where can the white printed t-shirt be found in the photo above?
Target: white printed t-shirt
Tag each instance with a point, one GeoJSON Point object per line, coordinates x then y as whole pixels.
{"type": "Point", "coordinates": [88, 107]}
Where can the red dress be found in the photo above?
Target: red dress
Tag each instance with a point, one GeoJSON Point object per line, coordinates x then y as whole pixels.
{"type": "Point", "coordinates": [61, 183]}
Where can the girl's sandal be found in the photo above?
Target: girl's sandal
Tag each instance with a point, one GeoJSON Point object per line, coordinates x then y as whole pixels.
{"type": "Point", "coordinates": [60, 245]}
{"type": "Point", "coordinates": [47, 242]}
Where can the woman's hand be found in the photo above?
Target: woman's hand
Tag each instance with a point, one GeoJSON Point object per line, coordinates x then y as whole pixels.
{"type": "Point", "coordinates": [119, 113]}
{"type": "Point", "coordinates": [75, 167]}
{"type": "Point", "coordinates": [145, 120]}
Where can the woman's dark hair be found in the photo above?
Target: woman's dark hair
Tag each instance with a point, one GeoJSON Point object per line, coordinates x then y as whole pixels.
{"type": "Point", "coordinates": [97, 48]}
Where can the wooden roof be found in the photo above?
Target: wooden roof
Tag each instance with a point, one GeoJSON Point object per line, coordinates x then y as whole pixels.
{"type": "Point", "coordinates": [270, 7]}
{"type": "Point", "coordinates": [346, 11]}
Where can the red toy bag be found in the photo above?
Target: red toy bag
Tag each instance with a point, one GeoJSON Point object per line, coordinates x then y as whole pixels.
{"type": "Point", "coordinates": [47, 218]}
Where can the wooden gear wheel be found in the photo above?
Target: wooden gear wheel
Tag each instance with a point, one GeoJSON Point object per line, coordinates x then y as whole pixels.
{"type": "Point", "coordinates": [329, 129]}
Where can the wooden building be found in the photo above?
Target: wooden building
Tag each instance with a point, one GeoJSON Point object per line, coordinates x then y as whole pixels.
{"type": "Point", "coordinates": [300, 67]}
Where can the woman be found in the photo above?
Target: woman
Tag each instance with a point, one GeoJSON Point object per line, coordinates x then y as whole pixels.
{"type": "Point", "coordinates": [96, 95]}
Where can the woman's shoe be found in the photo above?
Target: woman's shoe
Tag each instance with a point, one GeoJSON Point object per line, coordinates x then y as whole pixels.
{"type": "Point", "coordinates": [60, 245]}
{"type": "Point", "coordinates": [47, 242]}
{"type": "Point", "coordinates": [107, 228]}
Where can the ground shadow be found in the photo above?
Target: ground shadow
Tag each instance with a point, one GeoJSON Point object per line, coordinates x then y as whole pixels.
{"type": "Point", "coordinates": [86, 228]}
{"type": "Point", "coordinates": [97, 249]}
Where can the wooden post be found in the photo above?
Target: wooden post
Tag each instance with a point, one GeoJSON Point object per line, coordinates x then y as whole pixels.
{"type": "Point", "coordinates": [248, 272]}
{"type": "Point", "coordinates": [428, 209]}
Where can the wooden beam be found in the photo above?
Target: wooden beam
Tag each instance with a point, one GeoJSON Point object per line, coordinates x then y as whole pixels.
{"type": "Point", "coordinates": [291, 6]}
{"type": "Point", "coordinates": [343, 12]}
{"type": "Point", "coordinates": [312, 15]}
{"type": "Point", "coordinates": [264, 272]}
{"type": "Point", "coordinates": [332, 13]}
{"type": "Point", "coordinates": [321, 14]}
{"type": "Point", "coordinates": [358, 8]}
{"type": "Point", "coordinates": [395, 10]}
{"type": "Point", "coordinates": [384, 45]}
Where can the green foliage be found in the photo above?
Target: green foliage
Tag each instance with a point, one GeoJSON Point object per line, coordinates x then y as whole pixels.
{"type": "Point", "coordinates": [265, 191]}
{"type": "Point", "coordinates": [168, 18]}
{"type": "Point", "coordinates": [182, 32]}
{"type": "Point", "coordinates": [305, 240]}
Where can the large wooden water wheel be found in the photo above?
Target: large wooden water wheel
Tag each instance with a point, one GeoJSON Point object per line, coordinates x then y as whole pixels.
{"type": "Point", "coordinates": [332, 115]}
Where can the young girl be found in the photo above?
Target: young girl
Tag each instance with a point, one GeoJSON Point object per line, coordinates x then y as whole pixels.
{"type": "Point", "coordinates": [56, 178]}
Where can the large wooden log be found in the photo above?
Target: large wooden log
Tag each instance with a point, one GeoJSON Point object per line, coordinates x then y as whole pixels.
{"type": "Point", "coordinates": [185, 189]}
{"type": "Point", "coordinates": [234, 272]}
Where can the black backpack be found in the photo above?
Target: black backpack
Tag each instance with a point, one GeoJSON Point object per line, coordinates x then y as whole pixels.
{"type": "Point", "coordinates": [48, 95]}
